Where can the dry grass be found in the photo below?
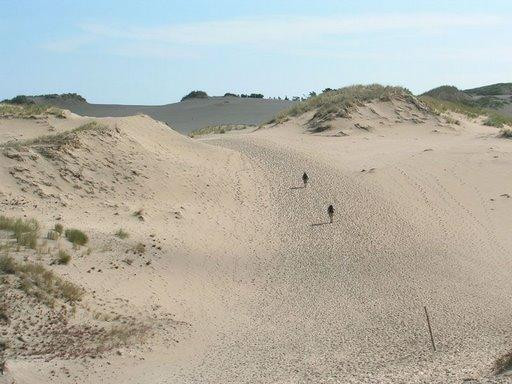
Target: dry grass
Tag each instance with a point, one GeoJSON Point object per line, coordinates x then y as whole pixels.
{"type": "Point", "coordinates": [506, 133]}
{"type": "Point", "coordinates": [42, 143]}
{"type": "Point", "coordinates": [63, 257]}
{"type": "Point", "coordinates": [216, 129]}
{"type": "Point", "coordinates": [36, 281]}
{"type": "Point", "coordinates": [25, 232]}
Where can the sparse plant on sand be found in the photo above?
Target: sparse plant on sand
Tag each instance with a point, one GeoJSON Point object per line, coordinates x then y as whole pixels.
{"type": "Point", "coordinates": [37, 281]}
{"type": "Point", "coordinates": [139, 214]}
{"type": "Point", "coordinates": [76, 236]}
{"type": "Point", "coordinates": [42, 143]}
{"type": "Point", "coordinates": [139, 248]}
{"type": "Point", "coordinates": [63, 257]}
{"type": "Point", "coordinates": [122, 234]}
{"type": "Point", "coordinates": [506, 133]}
{"type": "Point", "coordinates": [26, 231]}
{"type": "Point", "coordinates": [212, 129]}
{"type": "Point", "coordinates": [59, 228]}
{"type": "Point", "coordinates": [52, 235]}
{"type": "Point", "coordinates": [503, 363]}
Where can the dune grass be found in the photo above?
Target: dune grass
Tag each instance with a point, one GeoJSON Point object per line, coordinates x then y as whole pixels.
{"type": "Point", "coordinates": [493, 119]}
{"type": "Point", "coordinates": [503, 363]}
{"type": "Point", "coordinates": [63, 257]}
{"type": "Point", "coordinates": [29, 111]}
{"type": "Point", "coordinates": [122, 234]}
{"type": "Point", "coordinates": [506, 133]}
{"type": "Point", "coordinates": [24, 231]}
{"type": "Point", "coordinates": [339, 102]}
{"type": "Point", "coordinates": [36, 281]}
{"type": "Point", "coordinates": [76, 236]}
{"type": "Point", "coordinates": [57, 139]}
{"type": "Point", "coordinates": [497, 120]}
{"type": "Point", "coordinates": [216, 129]}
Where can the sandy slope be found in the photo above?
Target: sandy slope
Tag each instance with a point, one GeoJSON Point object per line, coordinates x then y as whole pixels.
{"type": "Point", "coordinates": [260, 287]}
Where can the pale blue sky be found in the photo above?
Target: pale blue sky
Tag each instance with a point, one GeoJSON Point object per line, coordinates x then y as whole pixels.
{"type": "Point", "coordinates": [154, 52]}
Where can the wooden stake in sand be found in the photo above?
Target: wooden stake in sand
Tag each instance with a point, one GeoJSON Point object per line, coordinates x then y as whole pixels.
{"type": "Point", "coordinates": [430, 330]}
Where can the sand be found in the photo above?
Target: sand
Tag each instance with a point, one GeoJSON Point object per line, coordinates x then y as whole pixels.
{"type": "Point", "coordinates": [251, 284]}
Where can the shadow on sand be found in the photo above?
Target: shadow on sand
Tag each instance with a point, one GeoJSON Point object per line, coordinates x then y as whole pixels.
{"type": "Point", "coordinates": [301, 187]}
{"type": "Point", "coordinates": [318, 224]}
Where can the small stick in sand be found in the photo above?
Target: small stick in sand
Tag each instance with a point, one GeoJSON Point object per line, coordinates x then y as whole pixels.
{"type": "Point", "coordinates": [430, 329]}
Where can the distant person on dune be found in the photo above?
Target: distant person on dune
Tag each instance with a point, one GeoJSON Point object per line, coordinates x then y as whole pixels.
{"type": "Point", "coordinates": [330, 212]}
{"type": "Point", "coordinates": [305, 179]}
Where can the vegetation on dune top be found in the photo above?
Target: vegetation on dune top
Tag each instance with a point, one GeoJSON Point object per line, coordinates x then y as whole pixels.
{"type": "Point", "coordinates": [28, 111]}
{"type": "Point", "coordinates": [24, 99]}
{"type": "Point", "coordinates": [57, 139]}
{"type": "Point", "coordinates": [439, 106]}
{"type": "Point", "coordinates": [339, 102]}
{"type": "Point", "coordinates": [195, 95]}
{"type": "Point", "coordinates": [493, 89]}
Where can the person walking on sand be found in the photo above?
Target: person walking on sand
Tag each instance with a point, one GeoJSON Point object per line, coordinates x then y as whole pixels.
{"type": "Point", "coordinates": [305, 179]}
{"type": "Point", "coordinates": [330, 212]}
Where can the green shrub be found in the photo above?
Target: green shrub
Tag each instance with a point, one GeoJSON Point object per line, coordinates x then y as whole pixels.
{"type": "Point", "coordinates": [498, 121]}
{"type": "Point", "coordinates": [63, 257]}
{"type": "Point", "coordinates": [195, 95]}
{"type": "Point", "coordinates": [76, 236]}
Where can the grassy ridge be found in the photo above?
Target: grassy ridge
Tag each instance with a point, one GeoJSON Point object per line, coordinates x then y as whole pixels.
{"type": "Point", "coordinates": [493, 118]}
{"type": "Point", "coordinates": [339, 102]}
{"type": "Point", "coordinates": [29, 111]}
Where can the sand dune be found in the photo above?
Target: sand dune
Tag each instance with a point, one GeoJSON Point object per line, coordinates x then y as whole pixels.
{"type": "Point", "coordinates": [247, 281]}
{"type": "Point", "coordinates": [189, 115]}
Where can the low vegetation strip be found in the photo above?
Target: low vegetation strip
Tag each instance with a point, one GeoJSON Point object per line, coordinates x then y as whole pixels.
{"type": "Point", "coordinates": [57, 139]}
{"type": "Point", "coordinates": [212, 129]}
{"type": "Point", "coordinates": [439, 106]}
{"type": "Point", "coordinates": [339, 102]}
{"type": "Point", "coordinates": [37, 281]}
{"type": "Point", "coordinates": [28, 111]}
{"type": "Point", "coordinates": [25, 232]}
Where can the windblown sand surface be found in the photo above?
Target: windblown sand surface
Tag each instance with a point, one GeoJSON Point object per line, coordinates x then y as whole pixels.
{"type": "Point", "coordinates": [247, 282]}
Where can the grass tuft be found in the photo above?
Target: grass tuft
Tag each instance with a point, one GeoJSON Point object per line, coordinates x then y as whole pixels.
{"type": "Point", "coordinates": [36, 281]}
{"type": "Point", "coordinates": [76, 236]}
{"type": "Point", "coordinates": [503, 363]}
{"type": "Point", "coordinates": [25, 232]}
{"type": "Point", "coordinates": [63, 257]}
{"type": "Point", "coordinates": [122, 234]}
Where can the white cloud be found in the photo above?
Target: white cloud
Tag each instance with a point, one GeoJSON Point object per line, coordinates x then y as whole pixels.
{"type": "Point", "coordinates": [299, 34]}
{"type": "Point", "coordinates": [286, 29]}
